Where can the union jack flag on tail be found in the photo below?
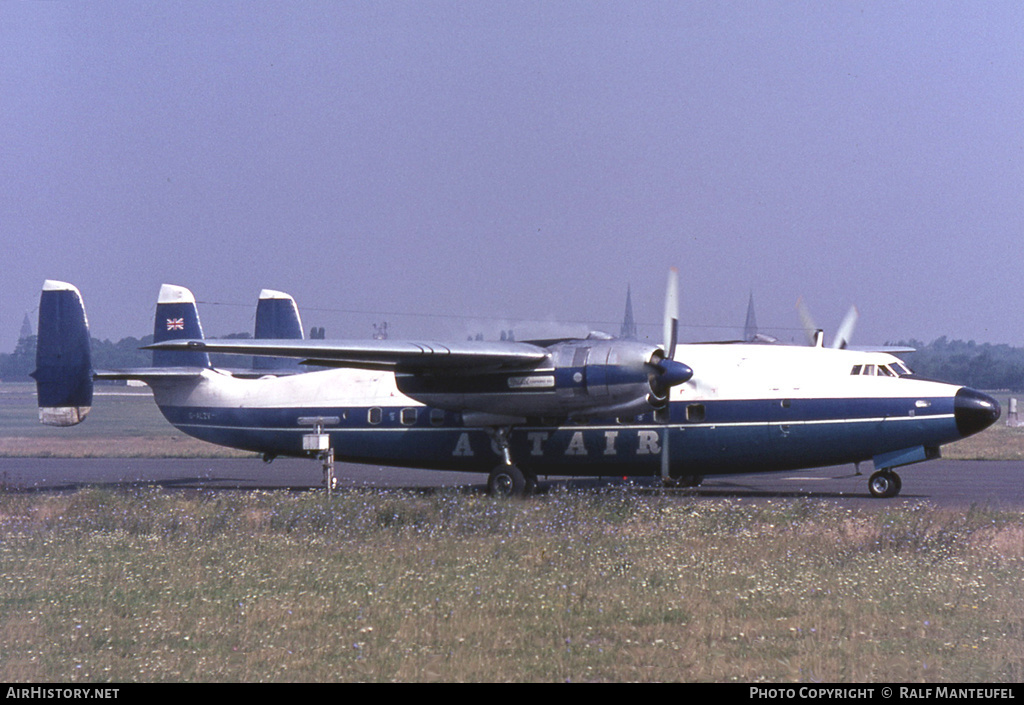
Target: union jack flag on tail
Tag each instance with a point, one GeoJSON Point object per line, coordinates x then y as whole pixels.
{"type": "Point", "coordinates": [176, 318]}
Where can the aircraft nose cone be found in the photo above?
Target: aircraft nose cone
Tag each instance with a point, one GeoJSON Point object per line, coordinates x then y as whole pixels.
{"type": "Point", "coordinates": [974, 411]}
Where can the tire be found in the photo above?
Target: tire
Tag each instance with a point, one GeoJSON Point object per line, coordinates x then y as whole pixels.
{"type": "Point", "coordinates": [506, 481]}
{"type": "Point", "coordinates": [884, 484]}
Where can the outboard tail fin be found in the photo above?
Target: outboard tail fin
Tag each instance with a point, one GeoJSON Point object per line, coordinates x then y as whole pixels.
{"type": "Point", "coordinates": [63, 357]}
{"type": "Point", "coordinates": [277, 317]}
{"type": "Point", "coordinates": [177, 318]}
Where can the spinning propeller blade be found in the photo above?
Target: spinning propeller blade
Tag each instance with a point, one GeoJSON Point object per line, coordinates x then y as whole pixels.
{"type": "Point", "coordinates": [671, 323]}
{"type": "Point", "coordinates": [843, 334]}
{"type": "Point", "coordinates": [667, 372]}
{"type": "Point", "coordinates": [846, 329]}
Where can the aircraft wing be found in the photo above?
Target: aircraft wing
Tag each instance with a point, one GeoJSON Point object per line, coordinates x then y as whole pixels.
{"type": "Point", "coordinates": [395, 355]}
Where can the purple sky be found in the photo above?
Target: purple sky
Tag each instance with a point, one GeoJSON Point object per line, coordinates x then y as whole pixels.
{"type": "Point", "coordinates": [482, 163]}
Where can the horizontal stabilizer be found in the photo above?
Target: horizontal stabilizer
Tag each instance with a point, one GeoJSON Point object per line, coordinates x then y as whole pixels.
{"type": "Point", "coordinates": [149, 374]}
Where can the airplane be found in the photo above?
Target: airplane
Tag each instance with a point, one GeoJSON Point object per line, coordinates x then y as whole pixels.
{"type": "Point", "coordinates": [277, 317]}
{"type": "Point", "coordinates": [594, 406]}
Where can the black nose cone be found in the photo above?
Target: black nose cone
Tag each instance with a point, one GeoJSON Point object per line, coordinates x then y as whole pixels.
{"type": "Point", "coordinates": [974, 411]}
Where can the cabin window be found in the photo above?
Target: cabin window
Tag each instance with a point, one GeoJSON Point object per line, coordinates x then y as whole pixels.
{"type": "Point", "coordinates": [662, 415]}
{"type": "Point", "coordinates": [786, 403]}
{"type": "Point", "coordinates": [437, 417]}
{"type": "Point", "coordinates": [695, 413]}
{"type": "Point", "coordinates": [375, 415]}
{"type": "Point", "coordinates": [408, 417]}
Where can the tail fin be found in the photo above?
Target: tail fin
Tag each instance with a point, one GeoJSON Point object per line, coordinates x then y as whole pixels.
{"type": "Point", "coordinates": [277, 317]}
{"type": "Point", "coordinates": [177, 318]}
{"type": "Point", "coordinates": [63, 357]}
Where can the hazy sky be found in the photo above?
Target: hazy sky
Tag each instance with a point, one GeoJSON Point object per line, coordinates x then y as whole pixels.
{"type": "Point", "coordinates": [480, 163]}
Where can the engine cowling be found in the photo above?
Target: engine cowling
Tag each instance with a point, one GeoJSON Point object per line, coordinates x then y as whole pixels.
{"type": "Point", "coordinates": [579, 378]}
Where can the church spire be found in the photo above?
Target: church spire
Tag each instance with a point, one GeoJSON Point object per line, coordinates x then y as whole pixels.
{"type": "Point", "coordinates": [26, 329]}
{"type": "Point", "coordinates": [628, 330]}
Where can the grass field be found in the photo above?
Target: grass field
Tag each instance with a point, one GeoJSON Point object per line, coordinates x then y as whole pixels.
{"type": "Point", "coordinates": [153, 586]}
{"type": "Point", "coordinates": [148, 585]}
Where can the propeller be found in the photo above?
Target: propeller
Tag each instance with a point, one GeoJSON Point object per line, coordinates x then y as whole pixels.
{"type": "Point", "coordinates": [671, 323]}
{"type": "Point", "coordinates": [844, 333]}
{"type": "Point", "coordinates": [667, 372]}
{"type": "Point", "coordinates": [846, 329]}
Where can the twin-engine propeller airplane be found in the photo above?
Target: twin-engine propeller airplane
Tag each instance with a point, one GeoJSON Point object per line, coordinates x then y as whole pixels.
{"type": "Point", "coordinates": [596, 406]}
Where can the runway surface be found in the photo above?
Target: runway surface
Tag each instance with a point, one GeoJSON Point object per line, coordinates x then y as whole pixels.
{"type": "Point", "coordinates": [994, 484]}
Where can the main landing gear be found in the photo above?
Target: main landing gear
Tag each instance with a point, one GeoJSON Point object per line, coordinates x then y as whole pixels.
{"type": "Point", "coordinates": [885, 483]}
{"type": "Point", "coordinates": [507, 480]}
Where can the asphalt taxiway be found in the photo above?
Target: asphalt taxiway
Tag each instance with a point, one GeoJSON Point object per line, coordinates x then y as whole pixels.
{"type": "Point", "coordinates": [995, 484]}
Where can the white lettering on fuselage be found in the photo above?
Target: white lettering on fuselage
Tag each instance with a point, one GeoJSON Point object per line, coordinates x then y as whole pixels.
{"type": "Point", "coordinates": [576, 446]}
{"type": "Point", "coordinates": [536, 439]}
{"type": "Point", "coordinates": [609, 442]}
{"type": "Point", "coordinates": [462, 447]}
{"type": "Point", "coordinates": [648, 443]}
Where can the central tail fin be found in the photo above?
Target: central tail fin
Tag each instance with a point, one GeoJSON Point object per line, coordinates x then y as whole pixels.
{"type": "Point", "coordinates": [177, 318]}
{"type": "Point", "coordinates": [63, 371]}
{"type": "Point", "coordinates": [277, 317]}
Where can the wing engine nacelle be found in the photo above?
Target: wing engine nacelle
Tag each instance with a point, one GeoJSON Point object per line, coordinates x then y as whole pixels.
{"type": "Point", "coordinates": [579, 378]}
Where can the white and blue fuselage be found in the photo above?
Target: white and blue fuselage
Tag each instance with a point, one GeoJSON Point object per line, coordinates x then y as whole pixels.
{"type": "Point", "coordinates": [768, 408]}
{"type": "Point", "coordinates": [594, 406]}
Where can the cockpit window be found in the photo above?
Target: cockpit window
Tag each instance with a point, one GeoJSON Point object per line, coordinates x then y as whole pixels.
{"type": "Point", "coordinates": [893, 369]}
{"type": "Point", "coordinates": [900, 369]}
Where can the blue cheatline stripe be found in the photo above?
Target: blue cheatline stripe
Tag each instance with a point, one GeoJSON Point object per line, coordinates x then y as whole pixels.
{"type": "Point", "coordinates": [714, 412]}
{"type": "Point", "coordinates": [732, 437]}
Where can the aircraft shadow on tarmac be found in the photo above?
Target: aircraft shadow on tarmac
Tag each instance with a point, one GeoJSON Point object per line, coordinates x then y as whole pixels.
{"type": "Point", "coordinates": [717, 488]}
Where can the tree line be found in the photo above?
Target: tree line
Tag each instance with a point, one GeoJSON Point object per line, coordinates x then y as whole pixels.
{"type": "Point", "coordinates": [982, 366]}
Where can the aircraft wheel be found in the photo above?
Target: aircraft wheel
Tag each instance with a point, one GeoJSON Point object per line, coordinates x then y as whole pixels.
{"type": "Point", "coordinates": [506, 481]}
{"type": "Point", "coordinates": [885, 484]}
